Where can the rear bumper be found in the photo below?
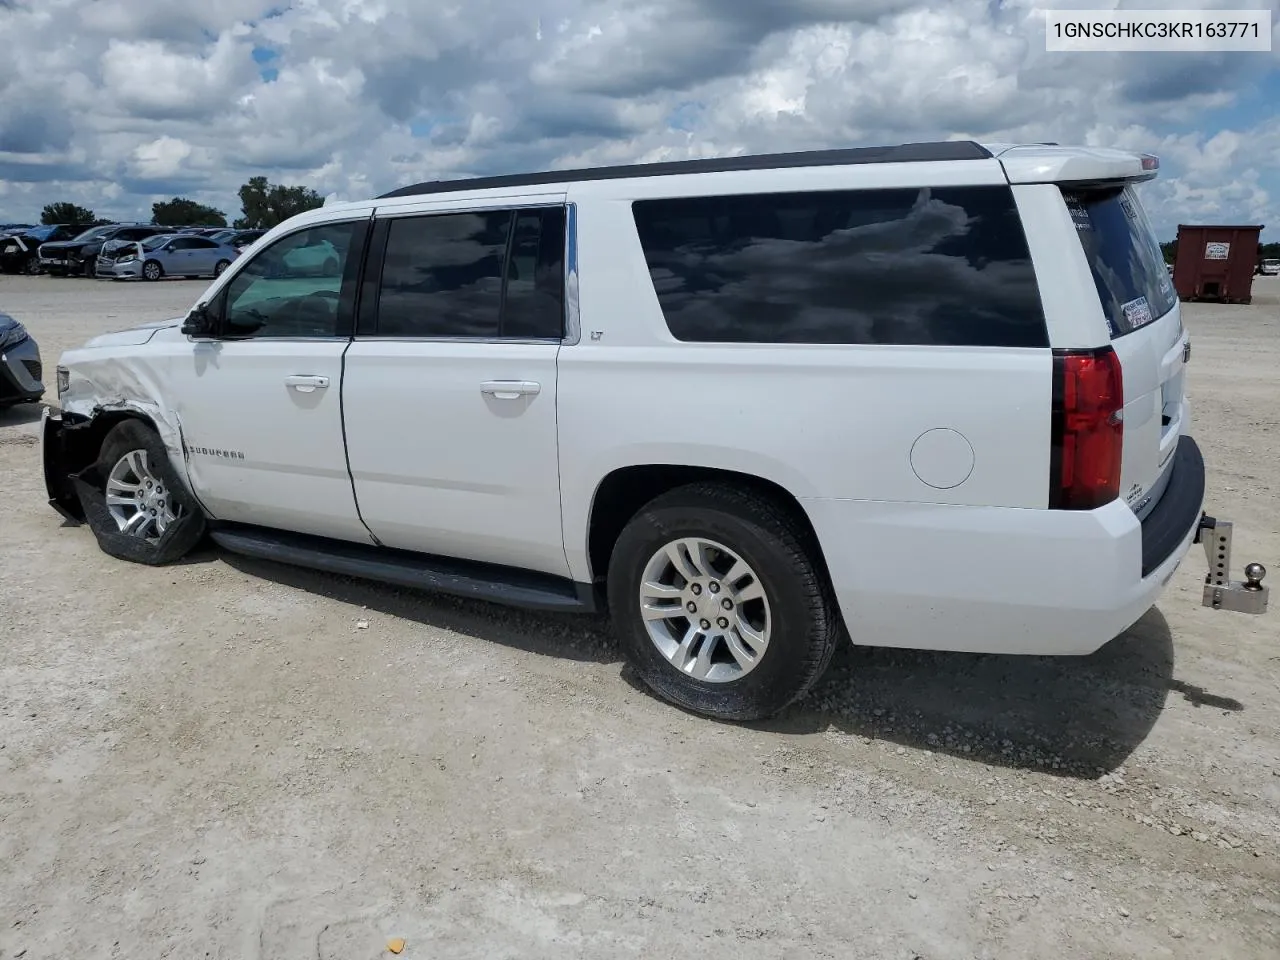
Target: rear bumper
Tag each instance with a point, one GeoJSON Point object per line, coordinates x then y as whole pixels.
{"type": "Point", "coordinates": [1002, 580]}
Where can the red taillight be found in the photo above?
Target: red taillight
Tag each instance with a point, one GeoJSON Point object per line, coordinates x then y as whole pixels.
{"type": "Point", "coordinates": [1088, 429]}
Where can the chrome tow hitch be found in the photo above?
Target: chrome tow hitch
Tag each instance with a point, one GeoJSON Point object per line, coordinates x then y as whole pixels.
{"type": "Point", "coordinates": [1220, 591]}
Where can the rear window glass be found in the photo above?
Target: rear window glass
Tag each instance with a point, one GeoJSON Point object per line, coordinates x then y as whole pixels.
{"type": "Point", "coordinates": [1125, 258]}
{"type": "Point", "coordinates": [915, 266]}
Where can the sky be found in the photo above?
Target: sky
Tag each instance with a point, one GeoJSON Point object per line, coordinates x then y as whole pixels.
{"type": "Point", "coordinates": [114, 104]}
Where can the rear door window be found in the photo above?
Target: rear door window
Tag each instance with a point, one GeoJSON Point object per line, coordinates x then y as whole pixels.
{"type": "Point", "coordinates": [496, 274]}
{"type": "Point", "coordinates": [1124, 256]}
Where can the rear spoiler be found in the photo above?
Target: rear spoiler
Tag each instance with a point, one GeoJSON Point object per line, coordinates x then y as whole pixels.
{"type": "Point", "coordinates": [1076, 166]}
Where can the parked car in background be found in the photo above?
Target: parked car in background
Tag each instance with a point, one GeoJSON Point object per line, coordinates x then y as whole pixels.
{"type": "Point", "coordinates": [78, 256]}
{"type": "Point", "coordinates": [244, 238]}
{"type": "Point", "coordinates": [1269, 268]}
{"type": "Point", "coordinates": [20, 250]}
{"type": "Point", "coordinates": [172, 255]}
{"type": "Point", "coordinates": [21, 372]}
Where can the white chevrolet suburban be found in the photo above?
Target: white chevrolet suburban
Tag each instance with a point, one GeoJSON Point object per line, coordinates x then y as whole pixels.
{"type": "Point", "coordinates": [928, 395]}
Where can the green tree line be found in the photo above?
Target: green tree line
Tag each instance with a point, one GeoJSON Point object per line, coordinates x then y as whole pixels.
{"type": "Point", "coordinates": [263, 205]}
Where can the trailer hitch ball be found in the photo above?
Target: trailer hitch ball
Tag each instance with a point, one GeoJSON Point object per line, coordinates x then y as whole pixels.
{"type": "Point", "coordinates": [1253, 575]}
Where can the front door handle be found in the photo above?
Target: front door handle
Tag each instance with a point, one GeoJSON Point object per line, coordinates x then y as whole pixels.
{"type": "Point", "coordinates": [306, 384]}
{"type": "Point", "coordinates": [510, 389]}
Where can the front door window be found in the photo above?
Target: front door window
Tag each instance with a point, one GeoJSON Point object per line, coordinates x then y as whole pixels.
{"type": "Point", "coordinates": [300, 286]}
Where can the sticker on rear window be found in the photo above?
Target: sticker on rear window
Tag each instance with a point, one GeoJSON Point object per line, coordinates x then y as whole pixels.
{"type": "Point", "coordinates": [1137, 313]}
{"type": "Point", "coordinates": [1080, 216]}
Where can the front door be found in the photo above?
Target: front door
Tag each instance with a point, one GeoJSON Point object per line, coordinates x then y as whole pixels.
{"type": "Point", "coordinates": [260, 406]}
{"type": "Point", "coordinates": [450, 388]}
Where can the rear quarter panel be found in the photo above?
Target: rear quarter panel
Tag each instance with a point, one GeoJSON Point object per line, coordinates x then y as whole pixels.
{"type": "Point", "coordinates": [824, 422]}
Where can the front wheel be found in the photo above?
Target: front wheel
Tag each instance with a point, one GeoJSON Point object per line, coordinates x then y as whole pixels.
{"type": "Point", "coordinates": [134, 502]}
{"type": "Point", "coordinates": [152, 270]}
{"type": "Point", "coordinates": [32, 266]}
{"type": "Point", "coordinates": [720, 602]}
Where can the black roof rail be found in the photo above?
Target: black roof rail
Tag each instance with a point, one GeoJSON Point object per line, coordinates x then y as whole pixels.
{"type": "Point", "coordinates": [902, 153]}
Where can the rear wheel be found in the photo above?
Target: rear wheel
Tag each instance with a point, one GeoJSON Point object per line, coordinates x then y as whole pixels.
{"type": "Point", "coordinates": [220, 266]}
{"type": "Point", "coordinates": [135, 504]}
{"type": "Point", "coordinates": [720, 602]}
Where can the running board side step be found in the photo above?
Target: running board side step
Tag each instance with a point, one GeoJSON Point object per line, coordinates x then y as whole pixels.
{"type": "Point", "coordinates": [460, 578]}
{"type": "Point", "coordinates": [1220, 591]}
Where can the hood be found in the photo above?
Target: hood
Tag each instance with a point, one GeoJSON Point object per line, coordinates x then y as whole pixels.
{"type": "Point", "coordinates": [115, 249]}
{"type": "Point", "coordinates": [134, 336]}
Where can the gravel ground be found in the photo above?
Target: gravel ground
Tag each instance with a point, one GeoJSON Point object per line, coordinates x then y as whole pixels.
{"type": "Point", "coordinates": [225, 759]}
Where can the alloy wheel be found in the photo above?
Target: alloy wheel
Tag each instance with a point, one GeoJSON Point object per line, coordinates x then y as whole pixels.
{"type": "Point", "coordinates": [138, 500]}
{"type": "Point", "coordinates": [705, 610]}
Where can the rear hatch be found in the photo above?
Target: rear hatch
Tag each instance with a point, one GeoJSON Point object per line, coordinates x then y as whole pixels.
{"type": "Point", "coordinates": [1141, 307]}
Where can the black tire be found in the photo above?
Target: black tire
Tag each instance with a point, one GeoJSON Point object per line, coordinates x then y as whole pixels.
{"type": "Point", "coordinates": [805, 621]}
{"type": "Point", "coordinates": [181, 536]}
{"type": "Point", "coordinates": [32, 267]}
{"type": "Point", "coordinates": [220, 266]}
{"type": "Point", "coordinates": [151, 270]}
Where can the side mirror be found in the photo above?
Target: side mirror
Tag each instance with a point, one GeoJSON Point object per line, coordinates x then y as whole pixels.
{"type": "Point", "coordinates": [199, 322]}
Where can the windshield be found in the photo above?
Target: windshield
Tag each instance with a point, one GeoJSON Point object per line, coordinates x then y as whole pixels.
{"type": "Point", "coordinates": [94, 232]}
{"type": "Point", "coordinates": [156, 242]}
{"type": "Point", "coordinates": [1124, 256]}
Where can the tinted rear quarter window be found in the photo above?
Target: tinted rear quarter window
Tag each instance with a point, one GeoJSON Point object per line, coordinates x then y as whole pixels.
{"type": "Point", "coordinates": [916, 266]}
{"type": "Point", "coordinates": [1124, 256]}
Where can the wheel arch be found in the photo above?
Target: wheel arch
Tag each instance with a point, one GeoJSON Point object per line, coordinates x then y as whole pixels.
{"type": "Point", "coordinates": [78, 440]}
{"type": "Point", "coordinates": [624, 491]}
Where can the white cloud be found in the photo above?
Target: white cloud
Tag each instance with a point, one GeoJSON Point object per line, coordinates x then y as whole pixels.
{"type": "Point", "coordinates": [116, 103]}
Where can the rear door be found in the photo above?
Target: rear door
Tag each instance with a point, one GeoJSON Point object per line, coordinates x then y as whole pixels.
{"type": "Point", "coordinates": [1145, 323]}
{"type": "Point", "coordinates": [449, 394]}
{"type": "Point", "coordinates": [202, 254]}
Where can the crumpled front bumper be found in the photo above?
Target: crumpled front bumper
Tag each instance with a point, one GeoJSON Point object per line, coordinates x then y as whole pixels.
{"type": "Point", "coordinates": [59, 448]}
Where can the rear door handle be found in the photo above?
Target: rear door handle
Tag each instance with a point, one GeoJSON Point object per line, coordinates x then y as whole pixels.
{"type": "Point", "coordinates": [306, 384]}
{"type": "Point", "coordinates": [510, 389]}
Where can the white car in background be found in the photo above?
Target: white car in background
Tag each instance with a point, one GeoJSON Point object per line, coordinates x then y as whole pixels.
{"type": "Point", "coordinates": [925, 396]}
